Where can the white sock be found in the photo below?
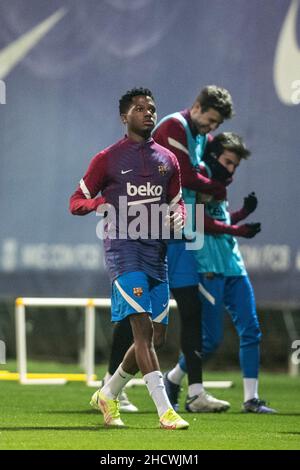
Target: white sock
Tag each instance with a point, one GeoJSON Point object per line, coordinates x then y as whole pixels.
{"type": "Point", "coordinates": [250, 389]}
{"type": "Point", "coordinates": [155, 384]}
{"type": "Point", "coordinates": [176, 375]}
{"type": "Point", "coordinates": [115, 384]}
{"type": "Point", "coordinates": [107, 377]}
{"type": "Point", "coordinates": [195, 389]}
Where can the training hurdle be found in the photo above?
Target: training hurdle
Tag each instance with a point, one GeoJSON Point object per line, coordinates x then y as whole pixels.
{"type": "Point", "coordinates": [89, 306]}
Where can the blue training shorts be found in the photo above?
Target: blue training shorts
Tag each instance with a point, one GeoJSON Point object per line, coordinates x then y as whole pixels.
{"type": "Point", "coordinates": [136, 292]}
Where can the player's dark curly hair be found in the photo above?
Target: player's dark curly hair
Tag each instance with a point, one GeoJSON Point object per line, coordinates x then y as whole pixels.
{"type": "Point", "coordinates": [126, 100]}
{"type": "Point", "coordinates": [217, 98]}
{"type": "Point", "coordinates": [227, 141]}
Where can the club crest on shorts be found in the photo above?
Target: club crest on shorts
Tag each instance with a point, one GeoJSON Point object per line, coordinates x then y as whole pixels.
{"type": "Point", "coordinates": [138, 291]}
{"type": "Point", "coordinates": [163, 170]}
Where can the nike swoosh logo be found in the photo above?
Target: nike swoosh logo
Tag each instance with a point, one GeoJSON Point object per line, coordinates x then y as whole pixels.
{"type": "Point", "coordinates": [15, 52]}
{"type": "Point", "coordinates": [123, 172]}
{"type": "Point", "coordinates": [287, 56]}
{"type": "Point", "coordinates": [164, 305]}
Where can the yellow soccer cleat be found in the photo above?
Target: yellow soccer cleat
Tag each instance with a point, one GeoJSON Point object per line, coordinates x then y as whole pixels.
{"type": "Point", "coordinates": [109, 408]}
{"type": "Point", "coordinates": [171, 420]}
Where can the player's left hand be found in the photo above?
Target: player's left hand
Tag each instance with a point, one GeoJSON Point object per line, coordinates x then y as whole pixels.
{"type": "Point", "coordinates": [250, 202]}
{"type": "Point", "coordinates": [175, 221]}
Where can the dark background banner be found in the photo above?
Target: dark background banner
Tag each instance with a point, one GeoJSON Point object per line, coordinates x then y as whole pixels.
{"type": "Point", "coordinates": [64, 65]}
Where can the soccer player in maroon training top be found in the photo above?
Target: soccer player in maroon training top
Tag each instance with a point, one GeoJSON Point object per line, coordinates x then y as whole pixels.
{"type": "Point", "coordinates": [186, 133]}
{"type": "Point", "coordinates": [146, 175]}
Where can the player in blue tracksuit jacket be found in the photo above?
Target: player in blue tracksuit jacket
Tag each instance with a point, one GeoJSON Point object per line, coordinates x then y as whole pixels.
{"type": "Point", "coordinates": [223, 279]}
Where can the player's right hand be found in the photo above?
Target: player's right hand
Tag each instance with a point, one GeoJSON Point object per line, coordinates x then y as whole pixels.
{"type": "Point", "coordinates": [249, 230]}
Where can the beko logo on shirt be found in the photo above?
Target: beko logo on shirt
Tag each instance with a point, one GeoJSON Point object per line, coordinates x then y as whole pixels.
{"type": "Point", "coordinates": [144, 190]}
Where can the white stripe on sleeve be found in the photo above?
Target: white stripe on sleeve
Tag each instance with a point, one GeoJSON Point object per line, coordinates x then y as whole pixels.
{"type": "Point", "coordinates": [84, 189]}
{"type": "Point", "coordinates": [177, 145]}
{"type": "Point", "coordinates": [176, 198]}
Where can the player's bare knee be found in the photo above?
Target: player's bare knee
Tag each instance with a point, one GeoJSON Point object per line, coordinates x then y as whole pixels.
{"type": "Point", "coordinates": [142, 327]}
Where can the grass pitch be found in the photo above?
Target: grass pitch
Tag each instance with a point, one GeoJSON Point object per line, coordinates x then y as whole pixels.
{"type": "Point", "coordinates": [59, 417]}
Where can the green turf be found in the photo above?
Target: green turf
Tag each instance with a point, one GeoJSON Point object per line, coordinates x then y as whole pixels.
{"type": "Point", "coordinates": [59, 417]}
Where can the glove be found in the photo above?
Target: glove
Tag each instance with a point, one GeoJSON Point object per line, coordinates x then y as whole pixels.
{"type": "Point", "coordinates": [250, 203]}
{"type": "Point", "coordinates": [248, 230]}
